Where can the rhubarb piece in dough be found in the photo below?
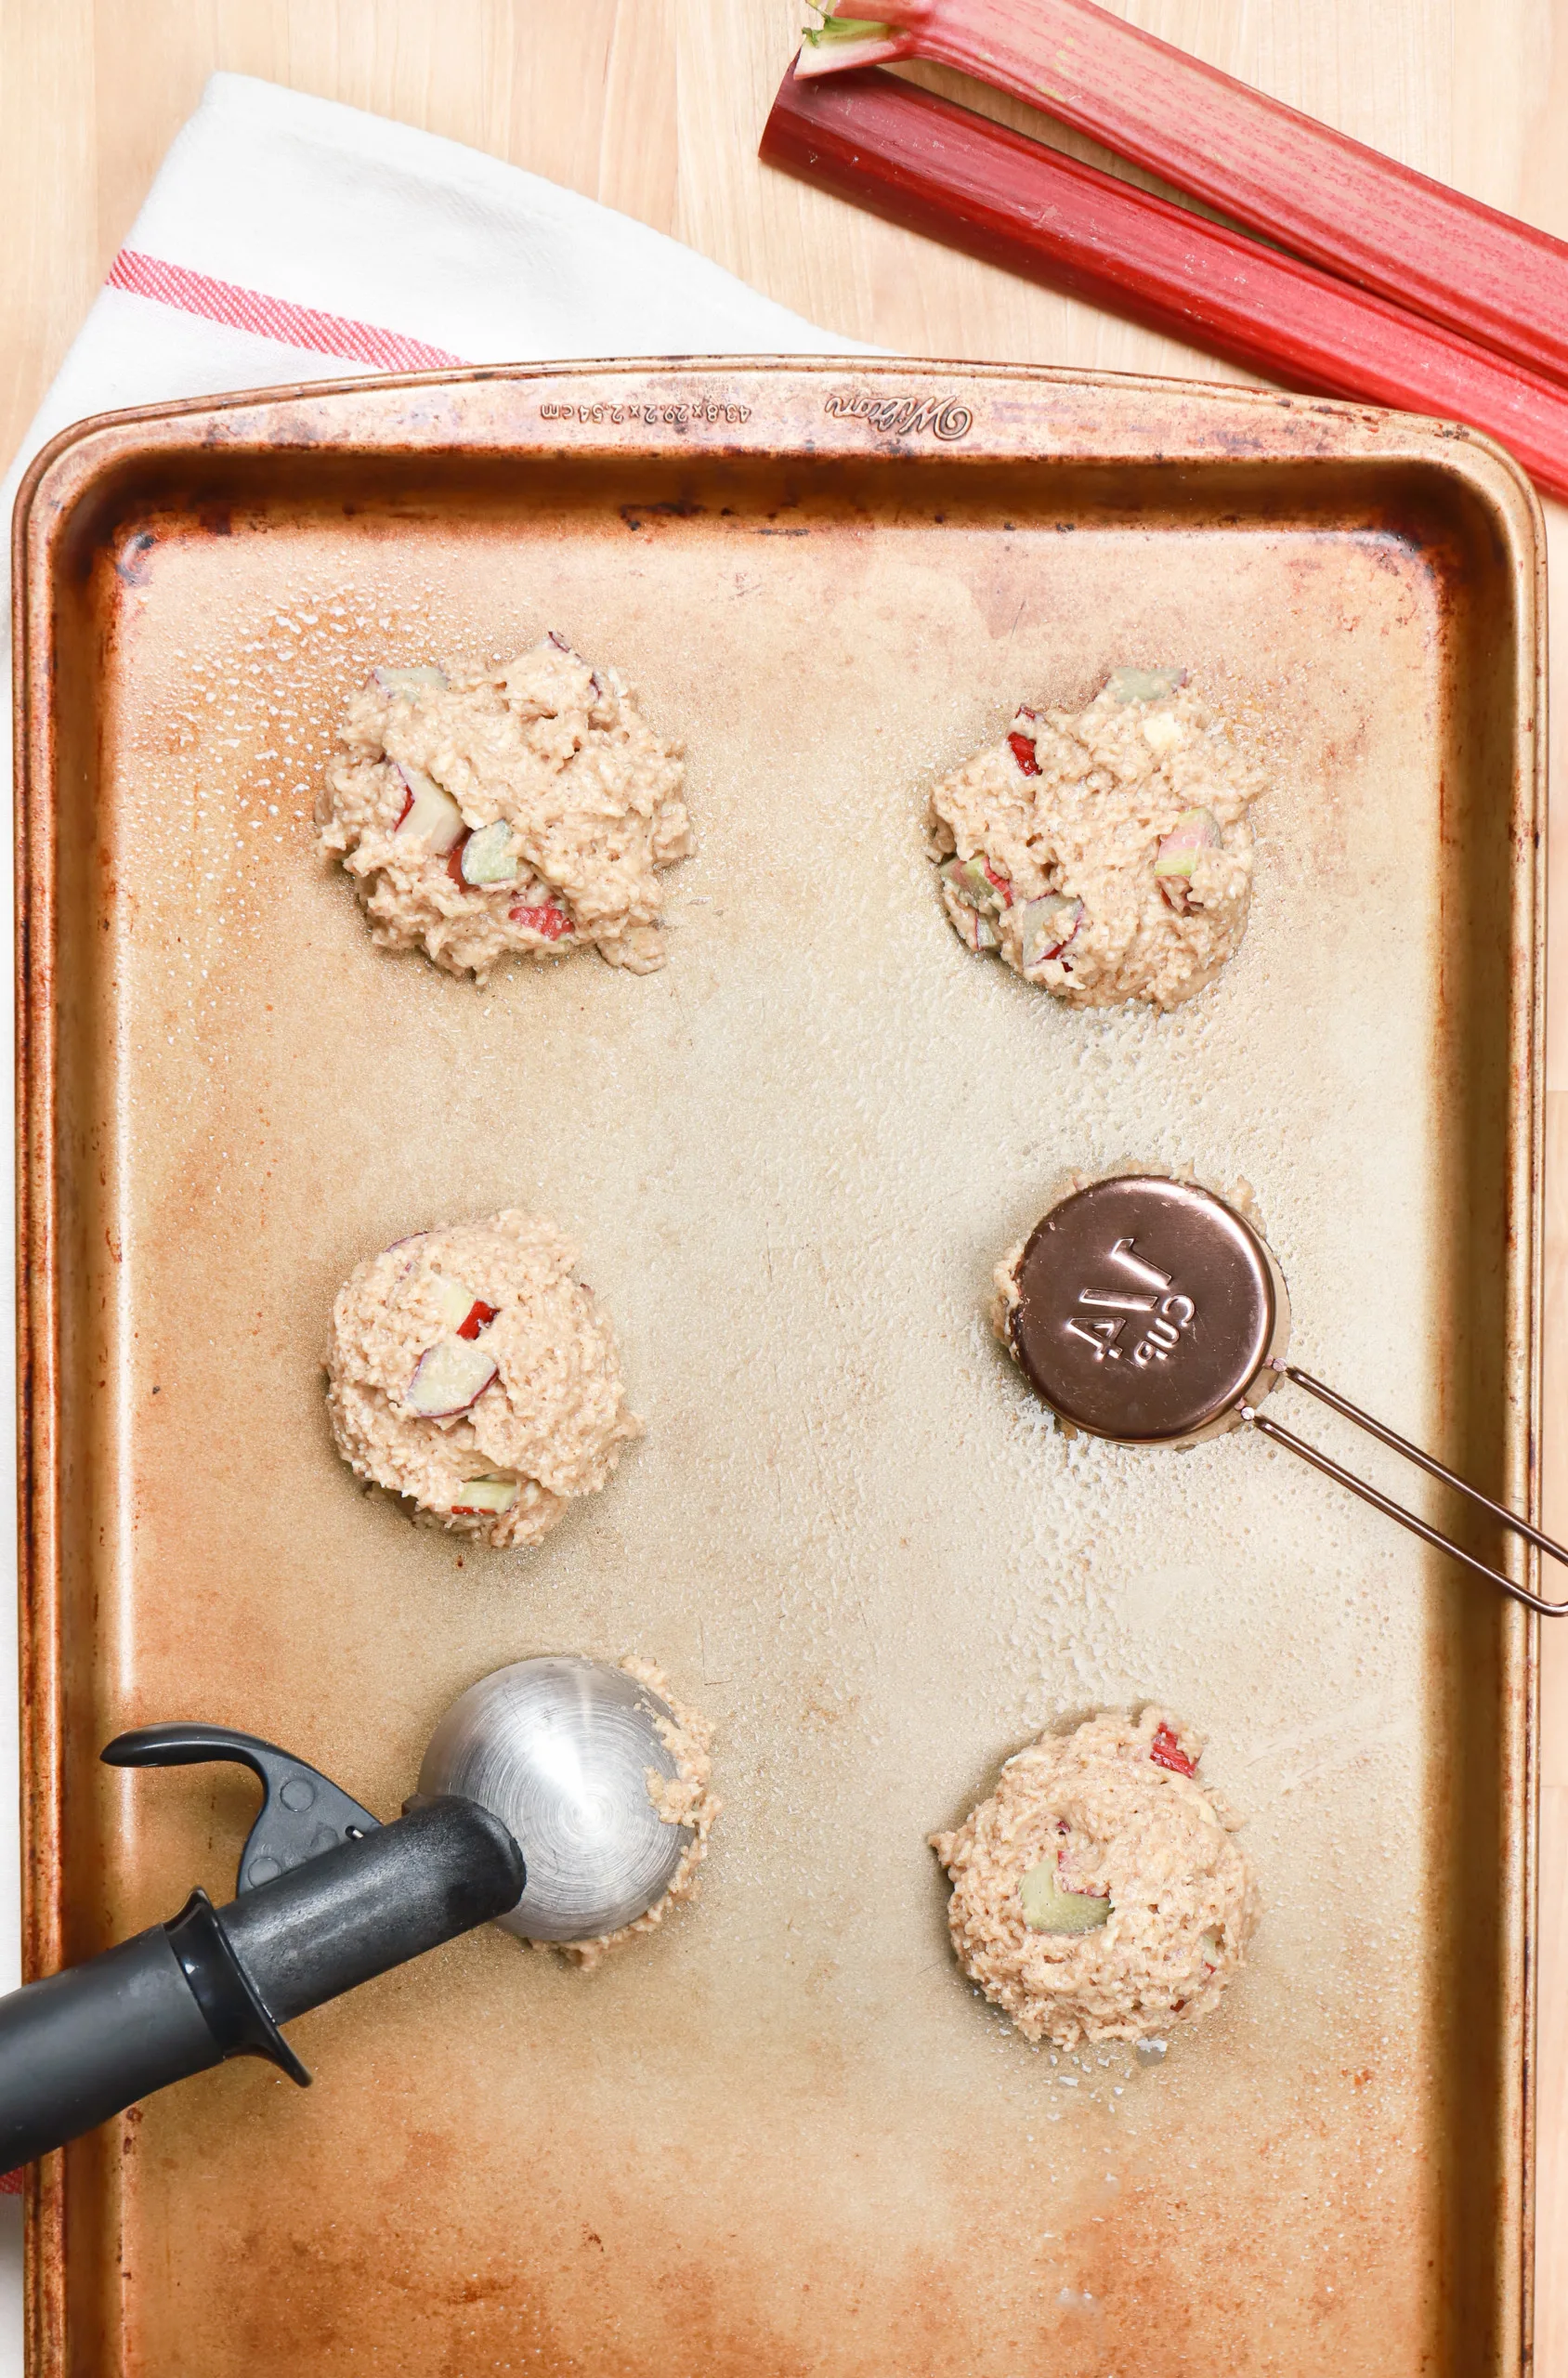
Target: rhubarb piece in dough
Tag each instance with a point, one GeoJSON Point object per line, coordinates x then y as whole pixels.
{"type": "Point", "coordinates": [472, 1373]}
{"type": "Point", "coordinates": [1100, 1893]}
{"type": "Point", "coordinates": [528, 809]}
{"type": "Point", "coordinates": [1104, 854]}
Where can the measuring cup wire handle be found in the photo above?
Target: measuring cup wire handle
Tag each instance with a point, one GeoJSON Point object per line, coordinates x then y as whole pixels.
{"type": "Point", "coordinates": [1392, 1510]}
{"type": "Point", "coordinates": [1424, 1461]}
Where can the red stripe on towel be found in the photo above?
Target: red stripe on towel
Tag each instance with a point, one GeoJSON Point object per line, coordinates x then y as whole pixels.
{"type": "Point", "coordinates": [253, 310]}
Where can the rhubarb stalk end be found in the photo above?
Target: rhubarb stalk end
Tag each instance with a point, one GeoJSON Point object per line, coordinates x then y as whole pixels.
{"type": "Point", "coordinates": [840, 43]}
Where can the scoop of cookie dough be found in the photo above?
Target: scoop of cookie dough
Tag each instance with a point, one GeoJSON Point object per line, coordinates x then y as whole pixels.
{"type": "Point", "coordinates": [1099, 1893]}
{"type": "Point", "coordinates": [472, 1373]}
{"type": "Point", "coordinates": [1103, 855]}
{"type": "Point", "coordinates": [528, 808]}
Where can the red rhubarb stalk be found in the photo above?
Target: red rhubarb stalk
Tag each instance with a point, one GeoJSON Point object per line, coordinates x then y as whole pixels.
{"type": "Point", "coordinates": [942, 170]}
{"type": "Point", "coordinates": [1166, 1751]}
{"type": "Point", "coordinates": [1482, 273]}
{"type": "Point", "coordinates": [552, 922]}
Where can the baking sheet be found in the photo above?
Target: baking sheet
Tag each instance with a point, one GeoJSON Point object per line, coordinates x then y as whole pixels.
{"type": "Point", "coordinates": [783, 2133]}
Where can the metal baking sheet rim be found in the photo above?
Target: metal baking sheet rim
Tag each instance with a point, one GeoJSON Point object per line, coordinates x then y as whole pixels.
{"type": "Point", "coordinates": [759, 409]}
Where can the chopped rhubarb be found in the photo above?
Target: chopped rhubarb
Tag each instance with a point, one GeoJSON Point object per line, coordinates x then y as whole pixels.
{"type": "Point", "coordinates": [1049, 1906]}
{"type": "Point", "coordinates": [1143, 685]}
{"type": "Point", "coordinates": [976, 931]}
{"type": "Point", "coordinates": [450, 1376]}
{"type": "Point", "coordinates": [454, 862]}
{"type": "Point", "coordinates": [490, 856]}
{"type": "Point", "coordinates": [453, 1301]}
{"type": "Point", "coordinates": [485, 1498]}
{"type": "Point", "coordinates": [1047, 927]}
{"type": "Point", "coordinates": [1194, 831]}
{"type": "Point", "coordinates": [1166, 1751]}
{"type": "Point", "coordinates": [1023, 749]}
{"type": "Point", "coordinates": [552, 922]}
{"type": "Point", "coordinates": [429, 813]}
{"type": "Point", "coordinates": [461, 1308]}
{"type": "Point", "coordinates": [558, 641]}
{"type": "Point", "coordinates": [976, 881]}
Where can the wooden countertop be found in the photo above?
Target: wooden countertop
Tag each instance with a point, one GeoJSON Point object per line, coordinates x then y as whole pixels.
{"type": "Point", "coordinates": [654, 107]}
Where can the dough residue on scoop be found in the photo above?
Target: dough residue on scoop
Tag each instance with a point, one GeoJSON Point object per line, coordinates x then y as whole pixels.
{"type": "Point", "coordinates": [1103, 854]}
{"type": "Point", "coordinates": [528, 808]}
{"type": "Point", "coordinates": [685, 1799]}
{"type": "Point", "coordinates": [470, 1371]}
{"type": "Point", "coordinates": [1099, 1893]}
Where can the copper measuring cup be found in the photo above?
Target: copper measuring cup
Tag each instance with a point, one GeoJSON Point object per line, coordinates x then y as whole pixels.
{"type": "Point", "coordinates": [1148, 1312]}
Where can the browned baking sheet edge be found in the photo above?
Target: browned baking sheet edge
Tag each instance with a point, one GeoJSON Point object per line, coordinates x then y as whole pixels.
{"type": "Point", "coordinates": [659, 409]}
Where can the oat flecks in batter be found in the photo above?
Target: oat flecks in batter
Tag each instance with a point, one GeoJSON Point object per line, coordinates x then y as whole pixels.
{"type": "Point", "coordinates": [1104, 855]}
{"type": "Point", "coordinates": [525, 809]}
{"type": "Point", "coordinates": [683, 1799]}
{"type": "Point", "coordinates": [1114, 1811]}
{"type": "Point", "coordinates": [469, 1371]}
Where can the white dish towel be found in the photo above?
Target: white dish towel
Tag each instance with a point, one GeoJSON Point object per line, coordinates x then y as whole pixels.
{"type": "Point", "coordinates": [289, 238]}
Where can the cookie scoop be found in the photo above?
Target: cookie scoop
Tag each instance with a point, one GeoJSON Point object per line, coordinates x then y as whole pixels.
{"type": "Point", "coordinates": [549, 1802]}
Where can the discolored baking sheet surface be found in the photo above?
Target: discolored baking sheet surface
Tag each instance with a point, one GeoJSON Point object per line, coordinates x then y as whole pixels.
{"type": "Point", "coordinates": [782, 2133]}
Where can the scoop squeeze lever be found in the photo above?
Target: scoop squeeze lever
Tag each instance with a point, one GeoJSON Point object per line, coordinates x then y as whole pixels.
{"type": "Point", "coordinates": [1149, 1312]}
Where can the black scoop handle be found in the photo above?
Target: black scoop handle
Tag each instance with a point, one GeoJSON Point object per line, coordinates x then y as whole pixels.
{"type": "Point", "coordinates": [87, 2043]}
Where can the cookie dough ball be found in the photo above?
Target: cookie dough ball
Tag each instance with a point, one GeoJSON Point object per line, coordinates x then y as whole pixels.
{"type": "Point", "coordinates": [1099, 1892]}
{"type": "Point", "coordinates": [686, 1799]}
{"type": "Point", "coordinates": [1104, 854]}
{"type": "Point", "coordinates": [472, 1373]}
{"type": "Point", "coordinates": [528, 808]}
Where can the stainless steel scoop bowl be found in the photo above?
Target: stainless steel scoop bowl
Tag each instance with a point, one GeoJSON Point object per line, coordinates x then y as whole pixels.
{"type": "Point", "coordinates": [560, 1750]}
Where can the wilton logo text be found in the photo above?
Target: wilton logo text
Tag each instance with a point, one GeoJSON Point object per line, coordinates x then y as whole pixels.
{"type": "Point", "coordinates": [904, 416]}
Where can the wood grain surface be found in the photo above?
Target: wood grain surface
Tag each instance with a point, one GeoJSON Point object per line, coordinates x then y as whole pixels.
{"type": "Point", "coordinates": [655, 107]}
